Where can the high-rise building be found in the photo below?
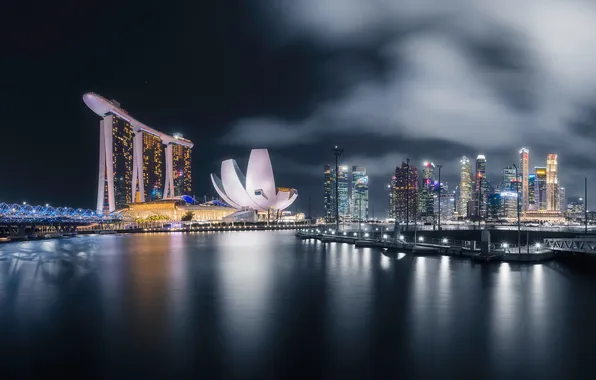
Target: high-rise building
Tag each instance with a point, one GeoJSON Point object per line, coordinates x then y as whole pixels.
{"type": "Point", "coordinates": [465, 187]}
{"type": "Point", "coordinates": [153, 168]}
{"type": "Point", "coordinates": [552, 183]}
{"type": "Point", "coordinates": [181, 169]}
{"type": "Point", "coordinates": [524, 163]}
{"type": "Point", "coordinates": [343, 191]}
{"type": "Point", "coordinates": [562, 199]}
{"type": "Point", "coordinates": [426, 203]}
{"type": "Point", "coordinates": [509, 204]}
{"type": "Point", "coordinates": [540, 188]}
{"type": "Point", "coordinates": [391, 191]}
{"type": "Point", "coordinates": [507, 178]}
{"type": "Point", "coordinates": [131, 158]}
{"type": "Point", "coordinates": [532, 192]}
{"type": "Point", "coordinates": [481, 189]}
{"type": "Point", "coordinates": [406, 192]}
{"type": "Point", "coordinates": [447, 204]}
{"type": "Point", "coordinates": [329, 191]}
{"type": "Point", "coordinates": [359, 203]}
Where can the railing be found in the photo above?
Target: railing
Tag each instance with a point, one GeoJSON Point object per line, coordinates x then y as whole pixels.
{"type": "Point", "coordinates": [580, 244]}
{"type": "Point", "coordinates": [43, 214]}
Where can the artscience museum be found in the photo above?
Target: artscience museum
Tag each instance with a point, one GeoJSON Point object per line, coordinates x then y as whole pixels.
{"type": "Point", "coordinates": [257, 191]}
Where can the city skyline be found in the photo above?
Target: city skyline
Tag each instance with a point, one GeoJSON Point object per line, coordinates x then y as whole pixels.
{"type": "Point", "coordinates": [301, 88]}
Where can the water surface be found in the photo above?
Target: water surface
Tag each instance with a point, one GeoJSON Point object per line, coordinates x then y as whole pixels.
{"type": "Point", "coordinates": [255, 305]}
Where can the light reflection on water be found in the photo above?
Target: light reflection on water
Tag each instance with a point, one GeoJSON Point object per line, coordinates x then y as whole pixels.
{"type": "Point", "coordinates": [265, 305]}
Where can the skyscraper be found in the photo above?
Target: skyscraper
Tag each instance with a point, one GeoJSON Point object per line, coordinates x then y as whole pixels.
{"type": "Point", "coordinates": [359, 201]}
{"type": "Point", "coordinates": [562, 199]}
{"type": "Point", "coordinates": [507, 178]}
{"type": "Point", "coordinates": [342, 191]}
{"type": "Point", "coordinates": [426, 204]}
{"type": "Point", "coordinates": [181, 169]}
{"type": "Point", "coordinates": [524, 161]}
{"type": "Point", "coordinates": [406, 192]}
{"type": "Point", "coordinates": [465, 186]}
{"type": "Point", "coordinates": [540, 188]}
{"type": "Point", "coordinates": [391, 188]}
{"type": "Point", "coordinates": [552, 183]}
{"type": "Point", "coordinates": [329, 191]}
{"type": "Point", "coordinates": [480, 188]}
{"type": "Point", "coordinates": [153, 168]}
{"type": "Point", "coordinates": [532, 192]}
{"type": "Point", "coordinates": [131, 158]}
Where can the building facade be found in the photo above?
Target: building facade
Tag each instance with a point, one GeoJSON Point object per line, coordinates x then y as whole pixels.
{"type": "Point", "coordinates": [532, 192]}
{"type": "Point", "coordinates": [524, 163]}
{"type": "Point", "coordinates": [406, 193]}
{"type": "Point", "coordinates": [481, 189]}
{"type": "Point", "coordinates": [329, 193]}
{"type": "Point", "coordinates": [465, 187]}
{"type": "Point", "coordinates": [343, 189]}
{"type": "Point", "coordinates": [131, 158]}
{"type": "Point", "coordinates": [507, 179]}
{"type": "Point", "coordinates": [575, 205]}
{"type": "Point", "coordinates": [540, 188]}
{"type": "Point", "coordinates": [552, 183]}
{"type": "Point", "coordinates": [359, 199]}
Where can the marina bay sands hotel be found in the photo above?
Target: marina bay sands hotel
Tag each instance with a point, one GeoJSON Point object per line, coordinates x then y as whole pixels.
{"type": "Point", "coordinates": [137, 163]}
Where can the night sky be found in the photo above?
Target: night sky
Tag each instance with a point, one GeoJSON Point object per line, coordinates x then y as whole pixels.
{"type": "Point", "coordinates": [386, 80]}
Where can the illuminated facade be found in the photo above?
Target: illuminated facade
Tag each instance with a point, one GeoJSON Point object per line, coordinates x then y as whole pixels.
{"type": "Point", "coordinates": [524, 165]}
{"type": "Point", "coordinates": [182, 174]}
{"type": "Point", "coordinates": [132, 157]}
{"type": "Point", "coordinates": [532, 192]}
{"type": "Point", "coordinates": [465, 187]}
{"type": "Point", "coordinates": [359, 202]}
{"type": "Point", "coordinates": [329, 193]}
{"type": "Point", "coordinates": [552, 183]}
{"type": "Point", "coordinates": [342, 191]}
{"type": "Point", "coordinates": [256, 191]}
{"type": "Point", "coordinates": [405, 192]}
{"type": "Point", "coordinates": [426, 203]}
{"type": "Point", "coordinates": [153, 168]}
{"type": "Point", "coordinates": [540, 188]}
{"type": "Point", "coordinates": [508, 179]}
{"type": "Point", "coordinates": [481, 188]}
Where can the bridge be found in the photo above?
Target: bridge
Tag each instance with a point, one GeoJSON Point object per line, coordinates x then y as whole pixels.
{"type": "Point", "coordinates": [20, 221]}
{"type": "Point", "coordinates": [585, 244]}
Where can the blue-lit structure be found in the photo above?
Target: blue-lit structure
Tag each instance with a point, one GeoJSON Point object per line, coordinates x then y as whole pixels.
{"type": "Point", "coordinates": [15, 213]}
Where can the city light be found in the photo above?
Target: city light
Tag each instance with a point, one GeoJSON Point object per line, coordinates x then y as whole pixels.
{"type": "Point", "coordinates": [345, 233]}
{"type": "Point", "coordinates": [401, 237]}
{"type": "Point", "coordinates": [445, 241]}
{"type": "Point", "coordinates": [384, 236]}
{"type": "Point", "coordinates": [538, 245]}
{"type": "Point", "coordinates": [420, 238]}
{"type": "Point", "coordinates": [355, 234]}
{"type": "Point", "coordinates": [366, 234]}
{"type": "Point", "coordinates": [505, 245]}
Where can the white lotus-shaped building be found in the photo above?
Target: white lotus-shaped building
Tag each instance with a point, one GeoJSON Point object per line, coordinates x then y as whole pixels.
{"type": "Point", "coordinates": [257, 190]}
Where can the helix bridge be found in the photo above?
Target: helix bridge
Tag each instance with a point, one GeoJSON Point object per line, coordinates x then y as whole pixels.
{"type": "Point", "coordinates": [25, 213]}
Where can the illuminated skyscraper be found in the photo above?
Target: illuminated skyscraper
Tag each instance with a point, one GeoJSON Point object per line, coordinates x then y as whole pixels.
{"type": "Point", "coordinates": [480, 188]}
{"type": "Point", "coordinates": [465, 186]}
{"type": "Point", "coordinates": [391, 188]}
{"type": "Point", "coordinates": [406, 192]}
{"type": "Point", "coordinates": [552, 183]}
{"type": "Point", "coordinates": [562, 199]}
{"type": "Point", "coordinates": [507, 178]}
{"type": "Point", "coordinates": [426, 204]}
{"type": "Point", "coordinates": [359, 203]}
{"type": "Point", "coordinates": [540, 188]}
{"type": "Point", "coordinates": [532, 192]}
{"type": "Point", "coordinates": [131, 158]}
{"type": "Point", "coordinates": [153, 168]}
{"type": "Point", "coordinates": [524, 165]}
{"type": "Point", "coordinates": [181, 170]}
{"type": "Point", "coordinates": [342, 190]}
{"type": "Point", "coordinates": [329, 190]}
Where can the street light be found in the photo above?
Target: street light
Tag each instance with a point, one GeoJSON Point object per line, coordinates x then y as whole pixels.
{"type": "Point", "coordinates": [518, 222]}
{"type": "Point", "coordinates": [337, 152]}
